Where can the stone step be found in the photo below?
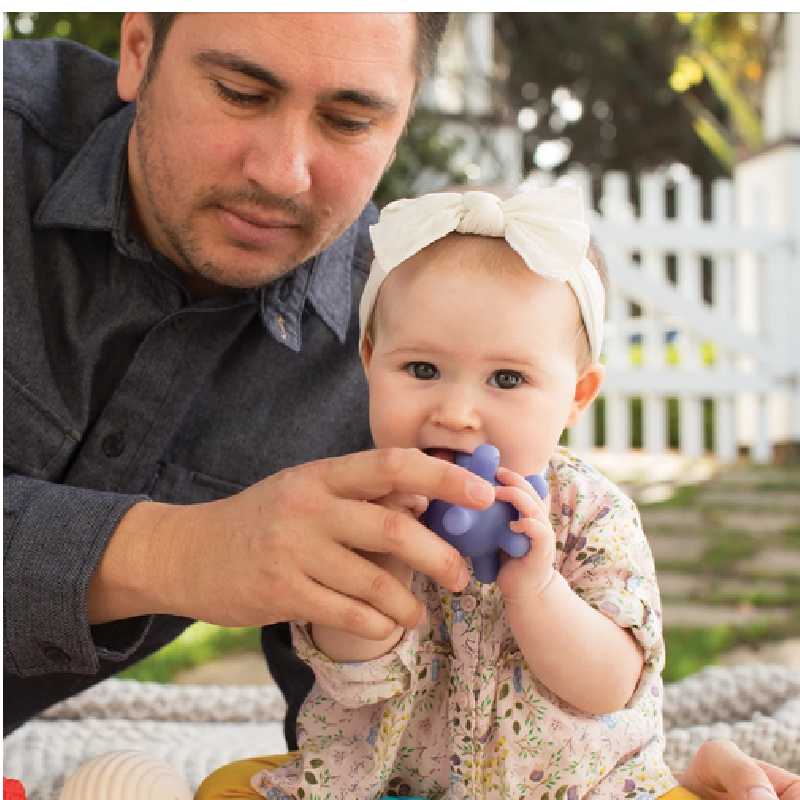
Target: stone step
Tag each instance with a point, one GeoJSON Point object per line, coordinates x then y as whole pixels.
{"type": "Point", "coordinates": [677, 548]}
{"type": "Point", "coordinates": [707, 522]}
{"type": "Point", "coordinates": [695, 587]}
{"type": "Point", "coordinates": [775, 561]}
{"type": "Point", "coordinates": [696, 615]}
{"type": "Point", "coordinates": [758, 476]}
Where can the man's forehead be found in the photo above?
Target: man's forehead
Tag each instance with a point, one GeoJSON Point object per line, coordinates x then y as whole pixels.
{"type": "Point", "coordinates": [356, 38]}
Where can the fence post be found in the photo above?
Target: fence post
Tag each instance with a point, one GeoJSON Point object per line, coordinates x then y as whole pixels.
{"type": "Point", "coordinates": [768, 194]}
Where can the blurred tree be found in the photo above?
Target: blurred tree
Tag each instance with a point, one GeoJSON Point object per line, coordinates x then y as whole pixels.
{"type": "Point", "coordinates": [634, 91]}
{"type": "Point", "coordinates": [98, 30]}
{"type": "Point", "coordinates": [730, 52]}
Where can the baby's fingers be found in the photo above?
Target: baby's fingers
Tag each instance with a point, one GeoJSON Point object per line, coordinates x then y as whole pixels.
{"type": "Point", "coordinates": [510, 478]}
{"type": "Point", "coordinates": [526, 504]}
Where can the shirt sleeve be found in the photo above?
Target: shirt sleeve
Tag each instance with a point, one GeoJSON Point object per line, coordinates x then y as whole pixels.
{"type": "Point", "coordinates": [53, 539]}
{"type": "Point", "coordinates": [608, 562]}
{"type": "Point", "coordinates": [353, 684]}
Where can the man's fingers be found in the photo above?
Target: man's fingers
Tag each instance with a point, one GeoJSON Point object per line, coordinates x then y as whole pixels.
{"type": "Point", "coordinates": [375, 529]}
{"type": "Point", "coordinates": [414, 504]}
{"type": "Point", "coordinates": [787, 784]}
{"type": "Point", "coordinates": [376, 473]}
{"type": "Point", "coordinates": [324, 606]}
{"type": "Point", "coordinates": [350, 574]}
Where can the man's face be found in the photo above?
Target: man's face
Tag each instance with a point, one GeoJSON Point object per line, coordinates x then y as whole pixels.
{"type": "Point", "coordinates": [260, 137]}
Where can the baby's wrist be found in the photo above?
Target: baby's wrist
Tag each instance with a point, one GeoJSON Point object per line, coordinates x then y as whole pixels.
{"type": "Point", "coordinates": [535, 591]}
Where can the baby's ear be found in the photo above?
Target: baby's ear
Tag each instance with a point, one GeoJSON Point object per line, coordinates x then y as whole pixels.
{"type": "Point", "coordinates": [587, 388]}
{"type": "Point", "coordinates": [366, 351]}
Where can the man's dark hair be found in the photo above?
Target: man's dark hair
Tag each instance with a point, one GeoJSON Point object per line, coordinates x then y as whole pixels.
{"type": "Point", "coordinates": [431, 26]}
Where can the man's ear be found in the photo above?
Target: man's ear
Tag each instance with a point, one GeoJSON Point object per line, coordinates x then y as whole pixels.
{"type": "Point", "coordinates": [587, 388]}
{"type": "Point", "coordinates": [136, 42]}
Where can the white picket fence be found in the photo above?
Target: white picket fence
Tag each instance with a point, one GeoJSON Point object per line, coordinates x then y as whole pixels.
{"type": "Point", "coordinates": [701, 316]}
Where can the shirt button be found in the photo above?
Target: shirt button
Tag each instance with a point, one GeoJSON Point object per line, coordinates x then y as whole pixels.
{"type": "Point", "coordinates": [114, 444]}
{"type": "Point", "coordinates": [179, 323]}
{"type": "Point", "coordinates": [468, 603]}
{"type": "Point", "coordinates": [55, 655]}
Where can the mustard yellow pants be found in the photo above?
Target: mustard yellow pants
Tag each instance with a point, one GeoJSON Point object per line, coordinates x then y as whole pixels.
{"type": "Point", "coordinates": [232, 782]}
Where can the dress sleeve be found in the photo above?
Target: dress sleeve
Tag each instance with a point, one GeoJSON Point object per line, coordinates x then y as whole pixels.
{"type": "Point", "coordinates": [53, 539]}
{"type": "Point", "coordinates": [353, 684]}
{"type": "Point", "coordinates": [608, 562]}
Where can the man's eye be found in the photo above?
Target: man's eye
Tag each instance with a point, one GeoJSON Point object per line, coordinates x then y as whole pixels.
{"type": "Point", "coordinates": [348, 124]}
{"type": "Point", "coordinates": [237, 98]}
{"type": "Point", "coordinates": [507, 379]}
{"type": "Point", "coordinates": [422, 370]}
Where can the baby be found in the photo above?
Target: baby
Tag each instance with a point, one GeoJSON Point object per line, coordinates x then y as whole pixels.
{"type": "Point", "coordinates": [482, 322]}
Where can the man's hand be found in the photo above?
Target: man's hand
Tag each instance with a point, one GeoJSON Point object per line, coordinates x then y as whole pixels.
{"type": "Point", "coordinates": [719, 770]}
{"type": "Point", "coordinates": [285, 548]}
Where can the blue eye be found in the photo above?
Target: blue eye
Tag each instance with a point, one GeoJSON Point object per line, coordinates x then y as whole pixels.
{"type": "Point", "coordinates": [422, 370]}
{"type": "Point", "coordinates": [507, 379]}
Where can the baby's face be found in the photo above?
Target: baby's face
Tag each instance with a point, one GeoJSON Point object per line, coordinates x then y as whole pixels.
{"type": "Point", "coordinates": [466, 354]}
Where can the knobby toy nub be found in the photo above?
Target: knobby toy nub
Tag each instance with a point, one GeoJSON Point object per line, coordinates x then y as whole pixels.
{"type": "Point", "coordinates": [481, 535]}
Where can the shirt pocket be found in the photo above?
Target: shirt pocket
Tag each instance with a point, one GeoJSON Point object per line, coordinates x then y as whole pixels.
{"type": "Point", "coordinates": [174, 483]}
{"type": "Point", "coordinates": [36, 442]}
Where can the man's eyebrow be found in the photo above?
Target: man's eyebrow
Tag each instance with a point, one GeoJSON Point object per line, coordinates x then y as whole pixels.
{"type": "Point", "coordinates": [219, 58]}
{"type": "Point", "coordinates": [367, 100]}
{"type": "Point", "coordinates": [235, 63]}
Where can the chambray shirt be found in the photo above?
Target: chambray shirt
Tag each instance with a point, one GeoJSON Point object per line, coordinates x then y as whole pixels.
{"type": "Point", "coordinates": [120, 386]}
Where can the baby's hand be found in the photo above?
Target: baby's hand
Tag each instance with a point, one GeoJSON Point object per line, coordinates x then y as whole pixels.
{"type": "Point", "coordinates": [412, 504]}
{"type": "Point", "coordinates": [521, 580]}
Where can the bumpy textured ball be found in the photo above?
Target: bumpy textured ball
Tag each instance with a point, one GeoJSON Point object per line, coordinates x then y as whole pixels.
{"type": "Point", "coordinates": [126, 775]}
{"type": "Point", "coordinates": [481, 535]}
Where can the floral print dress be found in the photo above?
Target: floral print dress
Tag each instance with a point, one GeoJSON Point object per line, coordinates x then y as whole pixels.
{"type": "Point", "coordinates": [453, 710]}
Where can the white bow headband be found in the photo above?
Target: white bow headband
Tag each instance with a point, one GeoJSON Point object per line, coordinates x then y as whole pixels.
{"type": "Point", "coordinates": [546, 228]}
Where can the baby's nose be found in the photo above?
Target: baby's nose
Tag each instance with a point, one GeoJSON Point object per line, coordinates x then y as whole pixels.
{"type": "Point", "coordinates": [457, 413]}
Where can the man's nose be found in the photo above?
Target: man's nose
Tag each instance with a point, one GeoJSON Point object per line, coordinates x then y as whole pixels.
{"type": "Point", "coordinates": [457, 411]}
{"type": "Point", "coordinates": [280, 159]}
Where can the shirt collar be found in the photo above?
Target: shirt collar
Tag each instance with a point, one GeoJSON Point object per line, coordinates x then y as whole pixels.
{"type": "Point", "coordinates": [92, 194]}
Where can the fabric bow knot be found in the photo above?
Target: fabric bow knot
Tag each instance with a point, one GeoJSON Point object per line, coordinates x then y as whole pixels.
{"type": "Point", "coordinates": [545, 227]}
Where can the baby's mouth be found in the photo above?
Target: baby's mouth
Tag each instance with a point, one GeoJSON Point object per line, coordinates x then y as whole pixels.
{"type": "Point", "coordinates": [445, 453]}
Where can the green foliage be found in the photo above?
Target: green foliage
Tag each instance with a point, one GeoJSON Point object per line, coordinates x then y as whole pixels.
{"type": "Point", "coordinates": [728, 52]}
{"type": "Point", "coordinates": [421, 149]}
{"type": "Point", "coordinates": [198, 644]}
{"type": "Point", "coordinates": [691, 649]}
{"type": "Point", "coordinates": [98, 30]}
{"type": "Point", "coordinates": [726, 550]}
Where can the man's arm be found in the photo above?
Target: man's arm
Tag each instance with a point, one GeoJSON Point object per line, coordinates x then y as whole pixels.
{"type": "Point", "coordinates": [53, 538]}
{"type": "Point", "coordinates": [285, 549]}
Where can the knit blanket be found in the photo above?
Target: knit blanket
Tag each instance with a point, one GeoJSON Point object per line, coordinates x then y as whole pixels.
{"type": "Point", "coordinates": [200, 728]}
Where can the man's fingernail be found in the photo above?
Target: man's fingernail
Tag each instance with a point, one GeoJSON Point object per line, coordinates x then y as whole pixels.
{"type": "Point", "coordinates": [480, 491]}
{"type": "Point", "coordinates": [463, 579]}
{"type": "Point", "coordinates": [760, 793]}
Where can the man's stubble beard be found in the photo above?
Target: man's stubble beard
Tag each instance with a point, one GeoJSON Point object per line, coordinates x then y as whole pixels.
{"type": "Point", "coordinates": [153, 165]}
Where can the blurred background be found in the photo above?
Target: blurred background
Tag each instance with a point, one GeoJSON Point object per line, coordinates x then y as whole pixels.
{"type": "Point", "coordinates": [684, 132]}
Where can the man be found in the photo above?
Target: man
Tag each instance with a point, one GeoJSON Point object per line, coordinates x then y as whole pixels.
{"type": "Point", "coordinates": [185, 245]}
{"type": "Point", "coordinates": [181, 289]}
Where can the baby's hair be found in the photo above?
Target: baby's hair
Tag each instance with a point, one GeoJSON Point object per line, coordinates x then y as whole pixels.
{"type": "Point", "coordinates": [505, 266]}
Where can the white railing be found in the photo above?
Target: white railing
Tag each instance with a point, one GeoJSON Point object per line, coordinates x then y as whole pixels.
{"type": "Point", "coordinates": [701, 352]}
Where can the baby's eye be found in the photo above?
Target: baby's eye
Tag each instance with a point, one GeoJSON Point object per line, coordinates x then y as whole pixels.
{"type": "Point", "coordinates": [507, 379]}
{"type": "Point", "coordinates": [422, 370]}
